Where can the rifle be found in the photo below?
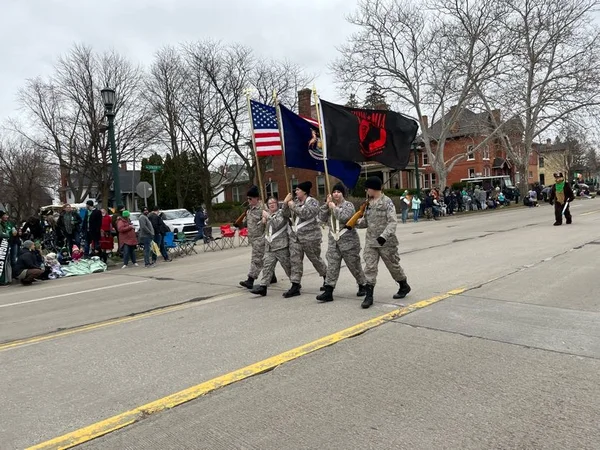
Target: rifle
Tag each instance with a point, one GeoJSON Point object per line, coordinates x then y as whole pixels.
{"type": "Point", "coordinates": [357, 215]}
{"type": "Point", "coordinates": [239, 222]}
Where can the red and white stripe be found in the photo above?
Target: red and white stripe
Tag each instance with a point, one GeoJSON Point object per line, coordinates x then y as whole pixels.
{"type": "Point", "coordinates": [268, 142]}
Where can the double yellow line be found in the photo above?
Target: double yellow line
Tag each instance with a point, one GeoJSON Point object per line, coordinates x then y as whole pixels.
{"type": "Point", "coordinates": [122, 420]}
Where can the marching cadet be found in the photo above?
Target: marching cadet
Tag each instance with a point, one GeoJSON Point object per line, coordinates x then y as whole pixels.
{"type": "Point", "coordinates": [380, 221]}
{"type": "Point", "coordinates": [343, 243]}
{"type": "Point", "coordinates": [256, 230]}
{"type": "Point", "coordinates": [305, 235]}
{"type": "Point", "coordinates": [276, 246]}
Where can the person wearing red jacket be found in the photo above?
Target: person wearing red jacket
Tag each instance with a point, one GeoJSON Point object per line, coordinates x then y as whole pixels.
{"type": "Point", "coordinates": [127, 238]}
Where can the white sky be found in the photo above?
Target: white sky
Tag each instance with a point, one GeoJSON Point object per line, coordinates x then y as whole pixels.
{"type": "Point", "coordinates": [35, 33]}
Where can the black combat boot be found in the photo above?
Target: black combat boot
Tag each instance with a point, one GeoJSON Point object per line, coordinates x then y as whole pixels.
{"type": "Point", "coordinates": [326, 296]}
{"type": "Point", "coordinates": [324, 285]}
{"type": "Point", "coordinates": [249, 283]}
{"type": "Point", "coordinates": [273, 279]}
{"type": "Point", "coordinates": [259, 290]}
{"type": "Point", "coordinates": [368, 301]}
{"type": "Point", "coordinates": [362, 290]}
{"type": "Point", "coordinates": [294, 291]}
{"type": "Point", "coordinates": [403, 291]}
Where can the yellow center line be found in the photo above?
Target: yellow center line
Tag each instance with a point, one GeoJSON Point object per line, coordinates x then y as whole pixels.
{"type": "Point", "coordinates": [110, 322]}
{"type": "Point", "coordinates": [126, 418]}
{"type": "Point", "coordinates": [590, 212]}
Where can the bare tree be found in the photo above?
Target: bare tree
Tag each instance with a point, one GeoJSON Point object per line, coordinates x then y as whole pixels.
{"type": "Point", "coordinates": [28, 176]}
{"type": "Point", "coordinates": [552, 75]}
{"type": "Point", "coordinates": [425, 59]}
{"type": "Point", "coordinates": [67, 114]}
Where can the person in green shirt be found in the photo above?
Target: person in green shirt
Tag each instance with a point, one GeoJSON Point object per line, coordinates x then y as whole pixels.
{"type": "Point", "coordinates": [7, 232]}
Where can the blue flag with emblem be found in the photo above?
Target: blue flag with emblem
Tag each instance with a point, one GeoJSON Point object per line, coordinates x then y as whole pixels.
{"type": "Point", "coordinates": [303, 148]}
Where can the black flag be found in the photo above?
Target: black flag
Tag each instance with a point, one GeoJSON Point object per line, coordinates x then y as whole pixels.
{"type": "Point", "coordinates": [355, 134]}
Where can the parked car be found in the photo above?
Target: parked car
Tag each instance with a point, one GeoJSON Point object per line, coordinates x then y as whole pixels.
{"type": "Point", "coordinates": [180, 220]}
{"type": "Point", "coordinates": [135, 220]}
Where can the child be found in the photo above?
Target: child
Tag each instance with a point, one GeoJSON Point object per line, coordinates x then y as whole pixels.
{"type": "Point", "coordinates": [76, 254]}
{"type": "Point", "coordinates": [416, 206]}
{"type": "Point", "coordinates": [64, 258]}
{"type": "Point", "coordinates": [54, 266]}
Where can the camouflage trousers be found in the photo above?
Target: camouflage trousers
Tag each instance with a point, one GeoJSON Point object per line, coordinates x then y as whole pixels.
{"type": "Point", "coordinates": [391, 259]}
{"type": "Point", "coordinates": [256, 260]}
{"type": "Point", "coordinates": [283, 256]}
{"type": "Point", "coordinates": [312, 251]}
{"type": "Point", "coordinates": [351, 257]}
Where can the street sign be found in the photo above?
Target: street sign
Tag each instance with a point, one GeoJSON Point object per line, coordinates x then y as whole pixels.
{"type": "Point", "coordinates": [152, 168]}
{"type": "Point", "coordinates": [143, 189]}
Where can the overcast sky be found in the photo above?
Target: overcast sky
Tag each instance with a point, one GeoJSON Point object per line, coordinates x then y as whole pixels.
{"type": "Point", "coordinates": [36, 32]}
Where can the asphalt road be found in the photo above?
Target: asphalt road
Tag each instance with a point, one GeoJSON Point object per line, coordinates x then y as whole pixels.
{"type": "Point", "coordinates": [511, 362]}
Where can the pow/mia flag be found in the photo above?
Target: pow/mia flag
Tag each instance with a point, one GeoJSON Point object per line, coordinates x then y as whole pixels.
{"type": "Point", "coordinates": [354, 134]}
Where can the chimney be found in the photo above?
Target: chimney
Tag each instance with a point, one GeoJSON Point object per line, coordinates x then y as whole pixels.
{"type": "Point", "coordinates": [496, 115]}
{"type": "Point", "coordinates": [304, 102]}
{"type": "Point", "coordinates": [548, 141]}
{"type": "Point", "coordinates": [425, 122]}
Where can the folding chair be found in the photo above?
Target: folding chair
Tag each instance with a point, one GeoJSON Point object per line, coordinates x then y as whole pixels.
{"type": "Point", "coordinates": [186, 245]}
{"type": "Point", "coordinates": [227, 236]}
{"type": "Point", "coordinates": [170, 244]}
{"type": "Point", "coordinates": [210, 243]}
{"type": "Point", "coordinates": [243, 236]}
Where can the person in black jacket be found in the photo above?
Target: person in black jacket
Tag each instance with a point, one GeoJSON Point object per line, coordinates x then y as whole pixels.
{"type": "Point", "coordinates": [561, 195]}
{"type": "Point", "coordinates": [160, 229]}
{"type": "Point", "coordinates": [92, 226]}
{"type": "Point", "coordinates": [33, 229]}
{"type": "Point", "coordinates": [27, 269]}
{"type": "Point", "coordinates": [68, 225]}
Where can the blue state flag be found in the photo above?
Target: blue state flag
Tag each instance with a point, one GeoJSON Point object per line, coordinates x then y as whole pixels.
{"type": "Point", "coordinates": [303, 148]}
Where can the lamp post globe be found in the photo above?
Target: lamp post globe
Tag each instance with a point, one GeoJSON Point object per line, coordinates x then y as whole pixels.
{"type": "Point", "coordinates": [109, 98]}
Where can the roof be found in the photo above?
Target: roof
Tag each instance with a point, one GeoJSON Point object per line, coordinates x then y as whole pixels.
{"type": "Point", "coordinates": [470, 123]}
{"type": "Point", "coordinates": [499, 163]}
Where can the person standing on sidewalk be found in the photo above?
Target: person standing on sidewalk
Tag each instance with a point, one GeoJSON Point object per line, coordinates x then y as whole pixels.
{"type": "Point", "coordinates": [160, 230]}
{"type": "Point", "coordinates": [127, 238]}
{"type": "Point", "coordinates": [344, 244]}
{"type": "Point", "coordinates": [146, 235]}
{"type": "Point", "coordinates": [381, 242]}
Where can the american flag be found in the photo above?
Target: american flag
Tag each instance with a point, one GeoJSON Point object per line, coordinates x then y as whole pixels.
{"type": "Point", "coordinates": [266, 131]}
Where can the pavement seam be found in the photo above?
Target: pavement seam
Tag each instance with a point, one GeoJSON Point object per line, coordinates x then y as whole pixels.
{"type": "Point", "coordinates": [116, 320]}
{"type": "Point", "coordinates": [132, 416]}
{"type": "Point", "coordinates": [500, 341]}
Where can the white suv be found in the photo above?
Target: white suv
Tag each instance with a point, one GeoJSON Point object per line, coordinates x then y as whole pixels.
{"type": "Point", "coordinates": [180, 220]}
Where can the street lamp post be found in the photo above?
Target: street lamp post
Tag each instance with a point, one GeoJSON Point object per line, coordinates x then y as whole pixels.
{"type": "Point", "coordinates": [417, 177]}
{"type": "Point", "coordinates": [108, 97]}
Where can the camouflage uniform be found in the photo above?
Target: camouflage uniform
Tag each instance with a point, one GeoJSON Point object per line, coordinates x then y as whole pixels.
{"type": "Point", "coordinates": [380, 220]}
{"type": "Point", "coordinates": [256, 230]}
{"type": "Point", "coordinates": [305, 237]}
{"type": "Point", "coordinates": [276, 247]}
{"type": "Point", "coordinates": [343, 243]}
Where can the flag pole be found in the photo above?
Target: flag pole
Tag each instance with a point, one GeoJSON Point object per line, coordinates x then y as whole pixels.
{"type": "Point", "coordinates": [323, 139]}
{"type": "Point", "coordinates": [279, 125]}
{"type": "Point", "coordinates": [261, 187]}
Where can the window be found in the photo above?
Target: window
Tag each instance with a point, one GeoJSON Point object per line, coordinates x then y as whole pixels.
{"type": "Point", "coordinates": [293, 183]}
{"type": "Point", "coordinates": [470, 153]}
{"type": "Point", "coordinates": [236, 194]}
{"type": "Point", "coordinates": [269, 164]}
{"type": "Point", "coordinates": [272, 189]}
{"type": "Point", "coordinates": [530, 174]}
{"type": "Point", "coordinates": [541, 162]}
{"type": "Point", "coordinates": [427, 184]}
{"type": "Point", "coordinates": [321, 186]}
{"type": "Point", "coordinates": [487, 172]}
{"type": "Point", "coordinates": [471, 173]}
{"type": "Point", "coordinates": [433, 179]}
{"type": "Point", "coordinates": [425, 159]}
{"type": "Point", "coordinates": [486, 153]}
